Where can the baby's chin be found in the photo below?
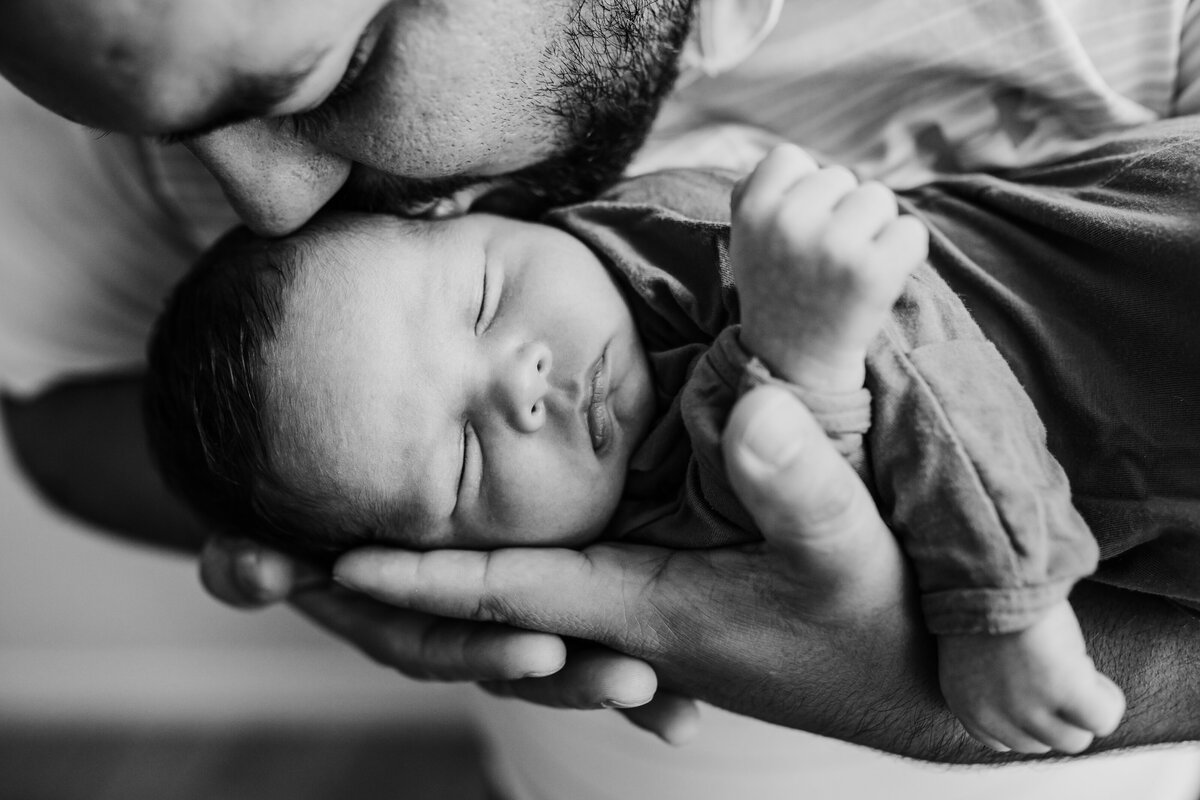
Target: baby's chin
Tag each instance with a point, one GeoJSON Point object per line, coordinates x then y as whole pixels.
{"type": "Point", "coordinates": [528, 538]}
{"type": "Point", "coordinates": [531, 534]}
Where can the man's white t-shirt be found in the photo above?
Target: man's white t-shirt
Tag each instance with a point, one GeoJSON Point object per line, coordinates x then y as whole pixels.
{"type": "Point", "coordinates": [97, 229]}
{"type": "Point", "coordinates": [905, 90]}
{"type": "Point", "coordinates": [94, 239]}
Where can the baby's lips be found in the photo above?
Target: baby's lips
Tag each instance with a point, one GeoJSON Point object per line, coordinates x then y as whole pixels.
{"type": "Point", "coordinates": [599, 421]}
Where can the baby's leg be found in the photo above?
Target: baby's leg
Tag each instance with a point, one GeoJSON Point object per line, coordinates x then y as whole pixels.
{"type": "Point", "coordinates": [819, 261]}
{"type": "Point", "coordinates": [1032, 691]}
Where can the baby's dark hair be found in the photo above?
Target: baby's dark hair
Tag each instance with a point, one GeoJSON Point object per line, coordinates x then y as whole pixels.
{"type": "Point", "coordinates": [208, 406]}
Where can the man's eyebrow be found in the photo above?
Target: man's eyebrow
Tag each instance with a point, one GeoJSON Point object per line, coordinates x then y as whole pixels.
{"type": "Point", "coordinates": [247, 96]}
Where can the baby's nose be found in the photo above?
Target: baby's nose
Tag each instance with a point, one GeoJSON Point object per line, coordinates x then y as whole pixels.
{"type": "Point", "coordinates": [522, 387]}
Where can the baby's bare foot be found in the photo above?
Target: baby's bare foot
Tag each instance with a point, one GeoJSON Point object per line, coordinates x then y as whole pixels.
{"type": "Point", "coordinates": [1033, 691]}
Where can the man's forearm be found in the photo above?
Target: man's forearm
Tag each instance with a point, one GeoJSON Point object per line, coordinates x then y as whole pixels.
{"type": "Point", "coordinates": [83, 447]}
{"type": "Point", "coordinates": [883, 694]}
{"type": "Point", "coordinates": [1151, 648]}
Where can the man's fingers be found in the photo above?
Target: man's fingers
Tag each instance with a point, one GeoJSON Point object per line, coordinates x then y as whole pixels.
{"type": "Point", "coordinates": [593, 677]}
{"type": "Point", "coordinates": [810, 505]}
{"type": "Point", "coordinates": [429, 648]}
{"type": "Point", "coordinates": [245, 574]}
{"type": "Point", "coordinates": [585, 594]}
{"type": "Point", "coordinates": [671, 717]}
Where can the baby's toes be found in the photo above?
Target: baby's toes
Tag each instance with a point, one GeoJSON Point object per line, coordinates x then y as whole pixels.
{"type": "Point", "coordinates": [1061, 735]}
{"type": "Point", "coordinates": [986, 739]}
{"type": "Point", "coordinates": [1024, 742]}
{"type": "Point", "coordinates": [1096, 706]}
{"type": "Point", "coordinates": [1003, 732]}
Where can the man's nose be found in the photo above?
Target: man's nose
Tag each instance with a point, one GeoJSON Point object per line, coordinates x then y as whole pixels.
{"type": "Point", "coordinates": [521, 384]}
{"type": "Point", "coordinates": [274, 180]}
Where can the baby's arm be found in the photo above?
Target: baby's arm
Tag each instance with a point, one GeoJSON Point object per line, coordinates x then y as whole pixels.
{"type": "Point", "coordinates": [818, 260]}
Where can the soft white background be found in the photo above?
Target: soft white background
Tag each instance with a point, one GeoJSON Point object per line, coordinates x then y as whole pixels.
{"type": "Point", "coordinates": [92, 628]}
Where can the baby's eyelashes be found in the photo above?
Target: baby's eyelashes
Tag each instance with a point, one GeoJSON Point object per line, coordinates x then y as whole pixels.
{"type": "Point", "coordinates": [490, 295]}
{"type": "Point", "coordinates": [468, 475]}
{"type": "Point", "coordinates": [483, 298]}
{"type": "Point", "coordinates": [462, 470]}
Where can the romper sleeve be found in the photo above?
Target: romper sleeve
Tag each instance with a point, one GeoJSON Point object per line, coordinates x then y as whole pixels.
{"type": "Point", "coordinates": [89, 252]}
{"type": "Point", "coordinates": [955, 454]}
{"type": "Point", "coordinates": [706, 512]}
{"type": "Point", "coordinates": [962, 471]}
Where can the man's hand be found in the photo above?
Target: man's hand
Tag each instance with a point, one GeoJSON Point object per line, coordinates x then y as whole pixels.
{"type": "Point", "coordinates": [538, 667]}
{"type": "Point", "coordinates": [813, 629]}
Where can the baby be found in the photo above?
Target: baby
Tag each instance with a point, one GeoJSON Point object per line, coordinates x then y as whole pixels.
{"type": "Point", "coordinates": [483, 382]}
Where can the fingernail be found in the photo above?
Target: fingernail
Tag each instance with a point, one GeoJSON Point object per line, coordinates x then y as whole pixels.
{"type": "Point", "coordinates": [545, 672]}
{"type": "Point", "coordinates": [776, 434]}
{"type": "Point", "coordinates": [611, 703]}
{"type": "Point", "coordinates": [348, 568]}
{"type": "Point", "coordinates": [541, 673]}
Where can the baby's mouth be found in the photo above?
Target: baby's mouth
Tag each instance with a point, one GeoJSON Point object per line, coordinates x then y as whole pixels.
{"type": "Point", "coordinates": [598, 420]}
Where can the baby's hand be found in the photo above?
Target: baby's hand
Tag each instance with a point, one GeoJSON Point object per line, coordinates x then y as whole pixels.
{"type": "Point", "coordinates": [1032, 691]}
{"type": "Point", "coordinates": [819, 261]}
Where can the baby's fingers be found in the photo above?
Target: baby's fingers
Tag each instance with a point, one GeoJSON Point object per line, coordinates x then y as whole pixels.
{"type": "Point", "coordinates": [904, 239]}
{"type": "Point", "coordinates": [810, 202]}
{"type": "Point", "coordinates": [901, 246]}
{"type": "Point", "coordinates": [760, 191]}
{"type": "Point", "coordinates": [864, 212]}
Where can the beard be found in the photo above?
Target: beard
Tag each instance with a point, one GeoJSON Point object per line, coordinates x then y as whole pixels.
{"type": "Point", "coordinates": [606, 78]}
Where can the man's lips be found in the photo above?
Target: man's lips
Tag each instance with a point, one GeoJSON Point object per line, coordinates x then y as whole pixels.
{"type": "Point", "coordinates": [599, 421]}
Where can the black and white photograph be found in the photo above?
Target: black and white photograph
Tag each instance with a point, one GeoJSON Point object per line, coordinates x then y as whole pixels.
{"type": "Point", "coordinates": [598, 399]}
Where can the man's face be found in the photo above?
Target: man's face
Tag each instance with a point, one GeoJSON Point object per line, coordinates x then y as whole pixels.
{"type": "Point", "coordinates": [350, 96]}
{"type": "Point", "coordinates": [478, 381]}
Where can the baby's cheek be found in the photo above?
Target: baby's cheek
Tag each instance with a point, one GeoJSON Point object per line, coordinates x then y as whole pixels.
{"type": "Point", "coordinates": [565, 506]}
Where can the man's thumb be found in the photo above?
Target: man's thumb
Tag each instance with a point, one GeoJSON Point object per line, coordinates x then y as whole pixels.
{"type": "Point", "coordinates": [788, 474]}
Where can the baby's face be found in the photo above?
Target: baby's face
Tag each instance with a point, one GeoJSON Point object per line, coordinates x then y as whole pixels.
{"type": "Point", "coordinates": [480, 376]}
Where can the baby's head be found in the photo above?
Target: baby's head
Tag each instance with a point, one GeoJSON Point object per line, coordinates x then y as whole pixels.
{"type": "Point", "coordinates": [475, 382]}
